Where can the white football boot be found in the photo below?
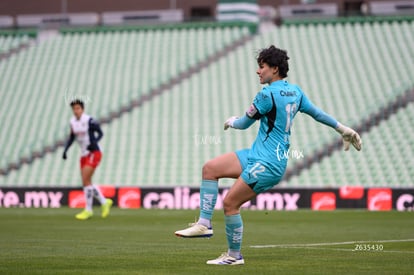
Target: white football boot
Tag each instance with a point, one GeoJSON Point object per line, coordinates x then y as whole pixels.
{"type": "Point", "coordinates": [226, 259]}
{"type": "Point", "coordinates": [195, 231]}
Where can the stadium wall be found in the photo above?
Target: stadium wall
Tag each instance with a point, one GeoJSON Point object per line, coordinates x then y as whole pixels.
{"type": "Point", "coordinates": [289, 199]}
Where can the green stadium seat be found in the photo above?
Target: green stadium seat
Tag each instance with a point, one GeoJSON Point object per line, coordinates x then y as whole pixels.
{"type": "Point", "coordinates": [166, 141]}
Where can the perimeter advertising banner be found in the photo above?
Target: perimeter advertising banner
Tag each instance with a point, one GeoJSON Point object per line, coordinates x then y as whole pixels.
{"type": "Point", "coordinates": [374, 199]}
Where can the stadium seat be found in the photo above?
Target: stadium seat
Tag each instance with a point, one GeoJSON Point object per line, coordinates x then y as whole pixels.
{"type": "Point", "coordinates": [166, 141]}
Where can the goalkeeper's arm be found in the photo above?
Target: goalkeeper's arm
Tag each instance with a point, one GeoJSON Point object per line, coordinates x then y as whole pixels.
{"type": "Point", "coordinates": [241, 123]}
{"type": "Point", "coordinates": [244, 122]}
{"type": "Point", "coordinates": [349, 136]}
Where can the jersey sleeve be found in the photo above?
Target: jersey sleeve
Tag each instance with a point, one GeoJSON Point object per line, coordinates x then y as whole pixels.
{"type": "Point", "coordinates": [262, 104]}
{"type": "Point", "coordinates": [243, 122]}
{"type": "Point", "coordinates": [69, 141]}
{"type": "Point", "coordinates": [94, 127]}
{"type": "Point", "coordinates": [307, 107]}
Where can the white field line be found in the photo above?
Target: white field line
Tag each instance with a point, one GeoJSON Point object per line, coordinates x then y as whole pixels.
{"type": "Point", "coordinates": [349, 249]}
{"type": "Point", "coordinates": [305, 245]}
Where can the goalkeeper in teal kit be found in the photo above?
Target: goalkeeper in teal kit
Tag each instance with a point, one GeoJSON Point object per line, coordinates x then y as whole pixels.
{"type": "Point", "coordinates": [261, 167]}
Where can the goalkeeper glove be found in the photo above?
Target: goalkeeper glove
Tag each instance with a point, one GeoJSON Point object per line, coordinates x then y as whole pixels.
{"type": "Point", "coordinates": [229, 122]}
{"type": "Point", "coordinates": [349, 136]}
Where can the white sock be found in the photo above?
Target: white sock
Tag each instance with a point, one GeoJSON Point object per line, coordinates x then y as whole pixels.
{"type": "Point", "coordinates": [205, 222]}
{"type": "Point", "coordinates": [98, 194]}
{"type": "Point", "coordinates": [88, 191]}
{"type": "Point", "coordinates": [234, 253]}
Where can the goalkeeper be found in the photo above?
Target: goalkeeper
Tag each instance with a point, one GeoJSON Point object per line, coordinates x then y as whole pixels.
{"type": "Point", "coordinates": [257, 169]}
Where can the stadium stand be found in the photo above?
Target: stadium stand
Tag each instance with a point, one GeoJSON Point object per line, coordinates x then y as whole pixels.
{"type": "Point", "coordinates": [10, 43]}
{"type": "Point", "coordinates": [106, 69]}
{"type": "Point", "coordinates": [350, 69]}
{"type": "Point", "coordinates": [386, 159]}
{"type": "Point", "coordinates": [238, 10]}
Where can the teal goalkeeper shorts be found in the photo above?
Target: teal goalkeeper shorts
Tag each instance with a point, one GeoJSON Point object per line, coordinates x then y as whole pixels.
{"type": "Point", "coordinates": [259, 175]}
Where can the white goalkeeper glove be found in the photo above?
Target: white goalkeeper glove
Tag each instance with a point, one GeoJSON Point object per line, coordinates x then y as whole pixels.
{"type": "Point", "coordinates": [349, 136]}
{"type": "Point", "coordinates": [229, 122]}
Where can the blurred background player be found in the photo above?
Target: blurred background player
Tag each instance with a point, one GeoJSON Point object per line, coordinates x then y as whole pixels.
{"type": "Point", "coordinates": [83, 128]}
{"type": "Point", "coordinates": [262, 166]}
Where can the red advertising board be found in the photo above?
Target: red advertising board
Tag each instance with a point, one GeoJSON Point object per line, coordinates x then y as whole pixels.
{"type": "Point", "coordinates": [379, 199]}
{"type": "Point", "coordinates": [351, 192]}
{"type": "Point", "coordinates": [323, 201]}
{"type": "Point", "coordinates": [129, 197]}
{"type": "Point", "coordinates": [76, 198]}
{"type": "Point", "coordinates": [374, 199]}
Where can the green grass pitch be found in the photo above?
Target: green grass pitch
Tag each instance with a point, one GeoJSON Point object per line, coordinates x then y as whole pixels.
{"type": "Point", "coordinates": [51, 241]}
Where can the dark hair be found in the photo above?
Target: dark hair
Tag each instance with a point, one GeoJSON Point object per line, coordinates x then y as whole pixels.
{"type": "Point", "coordinates": [275, 57]}
{"type": "Point", "coordinates": [77, 102]}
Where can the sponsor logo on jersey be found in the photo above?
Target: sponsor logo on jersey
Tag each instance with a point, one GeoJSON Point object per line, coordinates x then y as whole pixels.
{"type": "Point", "coordinates": [287, 93]}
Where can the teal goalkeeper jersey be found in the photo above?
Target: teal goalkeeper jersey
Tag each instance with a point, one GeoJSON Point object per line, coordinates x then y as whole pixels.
{"type": "Point", "coordinates": [276, 106]}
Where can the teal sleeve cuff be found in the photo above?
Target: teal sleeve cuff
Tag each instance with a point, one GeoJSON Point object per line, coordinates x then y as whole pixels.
{"type": "Point", "coordinates": [243, 122]}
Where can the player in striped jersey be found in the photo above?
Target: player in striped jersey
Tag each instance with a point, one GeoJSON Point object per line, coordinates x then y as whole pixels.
{"type": "Point", "coordinates": [87, 133]}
